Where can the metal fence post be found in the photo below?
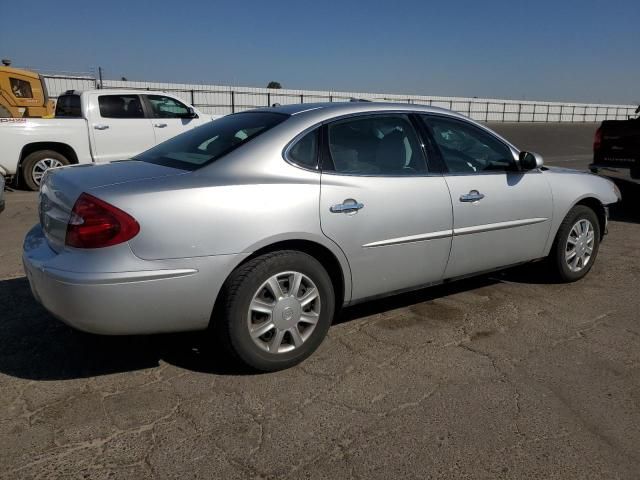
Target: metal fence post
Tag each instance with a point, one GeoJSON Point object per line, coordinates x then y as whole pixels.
{"type": "Point", "coordinates": [504, 108]}
{"type": "Point", "coordinates": [301, 98]}
{"type": "Point", "coordinates": [268, 99]}
{"type": "Point", "coordinates": [193, 101]}
{"type": "Point", "coordinates": [233, 101]}
{"type": "Point", "coordinates": [519, 112]}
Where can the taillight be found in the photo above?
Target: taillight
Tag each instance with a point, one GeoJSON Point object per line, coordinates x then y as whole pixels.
{"type": "Point", "coordinates": [96, 224]}
{"type": "Point", "coordinates": [597, 139]}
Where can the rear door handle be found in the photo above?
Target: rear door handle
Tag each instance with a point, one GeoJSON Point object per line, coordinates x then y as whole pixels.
{"type": "Point", "coordinates": [159, 125]}
{"type": "Point", "coordinates": [348, 206]}
{"type": "Point", "coordinates": [472, 196]}
{"type": "Point", "coordinates": [101, 126]}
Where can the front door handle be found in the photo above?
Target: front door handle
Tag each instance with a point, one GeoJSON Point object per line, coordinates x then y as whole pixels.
{"type": "Point", "coordinates": [348, 206]}
{"type": "Point", "coordinates": [101, 126]}
{"type": "Point", "coordinates": [159, 125]}
{"type": "Point", "coordinates": [472, 196]}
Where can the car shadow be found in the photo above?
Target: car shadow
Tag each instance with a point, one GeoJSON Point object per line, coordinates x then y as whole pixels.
{"type": "Point", "coordinates": [402, 300]}
{"type": "Point", "coordinates": [36, 346]}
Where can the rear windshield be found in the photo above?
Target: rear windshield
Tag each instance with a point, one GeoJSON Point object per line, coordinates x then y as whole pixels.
{"type": "Point", "coordinates": [203, 145]}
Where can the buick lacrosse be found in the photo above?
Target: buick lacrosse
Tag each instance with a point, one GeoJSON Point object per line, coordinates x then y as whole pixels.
{"type": "Point", "coordinates": [259, 226]}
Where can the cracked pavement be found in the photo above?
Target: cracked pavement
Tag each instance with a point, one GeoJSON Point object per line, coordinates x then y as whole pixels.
{"type": "Point", "coordinates": [501, 376]}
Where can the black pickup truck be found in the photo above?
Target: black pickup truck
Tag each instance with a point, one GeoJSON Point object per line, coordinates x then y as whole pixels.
{"type": "Point", "coordinates": [616, 148]}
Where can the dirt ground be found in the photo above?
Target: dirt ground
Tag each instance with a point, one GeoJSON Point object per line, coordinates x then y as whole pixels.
{"type": "Point", "coordinates": [502, 376]}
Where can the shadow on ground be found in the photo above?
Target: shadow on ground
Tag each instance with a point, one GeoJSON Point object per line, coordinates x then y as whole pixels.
{"type": "Point", "coordinates": [36, 346]}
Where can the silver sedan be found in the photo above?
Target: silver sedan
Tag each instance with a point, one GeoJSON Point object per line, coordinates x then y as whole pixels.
{"type": "Point", "coordinates": [259, 226]}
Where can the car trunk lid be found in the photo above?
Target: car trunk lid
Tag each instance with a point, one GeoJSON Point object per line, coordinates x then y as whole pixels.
{"type": "Point", "coordinates": [61, 187]}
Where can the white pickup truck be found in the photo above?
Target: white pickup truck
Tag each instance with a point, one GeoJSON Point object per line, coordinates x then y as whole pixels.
{"type": "Point", "coordinates": [92, 126]}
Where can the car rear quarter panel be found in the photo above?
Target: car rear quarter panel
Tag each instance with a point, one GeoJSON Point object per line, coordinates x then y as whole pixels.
{"type": "Point", "coordinates": [217, 220]}
{"type": "Point", "coordinates": [569, 187]}
{"type": "Point", "coordinates": [187, 218]}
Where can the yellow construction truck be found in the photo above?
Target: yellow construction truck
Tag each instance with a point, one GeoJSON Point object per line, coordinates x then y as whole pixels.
{"type": "Point", "coordinates": [23, 94]}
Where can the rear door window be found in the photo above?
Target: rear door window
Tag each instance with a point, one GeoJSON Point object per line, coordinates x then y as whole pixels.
{"type": "Point", "coordinates": [120, 106]}
{"type": "Point", "coordinates": [203, 145]}
{"type": "Point", "coordinates": [384, 145]}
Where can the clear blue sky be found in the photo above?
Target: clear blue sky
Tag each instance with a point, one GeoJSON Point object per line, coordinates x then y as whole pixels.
{"type": "Point", "coordinates": [539, 49]}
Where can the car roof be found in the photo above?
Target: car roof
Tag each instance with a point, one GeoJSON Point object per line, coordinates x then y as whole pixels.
{"type": "Point", "coordinates": [344, 108]}
{"type": "Point", "coordinates": [118, 91]}
{"type": "Point", "coordinates": [312, 113]}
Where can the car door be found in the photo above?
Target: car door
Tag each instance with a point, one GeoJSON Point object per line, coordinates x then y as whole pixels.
{"type": "Point", "coordinates": [381, 206]}
{"type": "Point", "coordinates": [170, 117]}
{"type": "Point", "coordinates": [501, 215]}
{"type": "Point", "coordinates": [119, 127]}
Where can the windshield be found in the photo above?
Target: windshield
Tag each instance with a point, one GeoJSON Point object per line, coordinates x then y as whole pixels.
{"type": "Point", "coordinates": [203, 145]}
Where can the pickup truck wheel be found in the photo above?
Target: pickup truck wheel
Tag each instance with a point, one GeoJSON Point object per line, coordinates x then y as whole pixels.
{"type": "Point", "coordinates": [35, 164]}
{"type": "Point", "coordinates": [576, 245]}
{"type": "Point", "coordinates": [275, 310]}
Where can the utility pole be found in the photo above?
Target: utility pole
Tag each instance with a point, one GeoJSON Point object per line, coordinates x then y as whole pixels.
{"type": "Point", "coordinates": [100, 77]}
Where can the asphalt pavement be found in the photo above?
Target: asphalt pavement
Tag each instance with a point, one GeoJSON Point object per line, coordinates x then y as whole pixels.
{"type": "Point", "coordinates": [503, 376]}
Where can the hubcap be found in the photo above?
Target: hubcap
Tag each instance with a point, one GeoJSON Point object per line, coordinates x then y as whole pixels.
{"type": "Point", "coordinates": [284, 312]}
{"type": "Point", "coordinates": [579, 247]}
{"type": "Point", "coordinates": [42, 166]}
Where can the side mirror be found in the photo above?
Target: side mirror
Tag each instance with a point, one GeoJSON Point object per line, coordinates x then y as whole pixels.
{"type": "Point", "coordinates": [530, 160]}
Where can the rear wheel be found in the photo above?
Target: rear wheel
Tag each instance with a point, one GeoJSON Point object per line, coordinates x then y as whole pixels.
{"type": "Point", "coordinates": [35, 164]}
{"type": "Point", "coordinates": [275, 310]}
{"type": "Point", "coordinates": [576, 245]}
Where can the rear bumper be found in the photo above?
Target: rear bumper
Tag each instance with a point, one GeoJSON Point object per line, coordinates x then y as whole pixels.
{"type": "Point", "coordinates": [144, 301]}
{"type": "Point", "coordinates": [618, 172]}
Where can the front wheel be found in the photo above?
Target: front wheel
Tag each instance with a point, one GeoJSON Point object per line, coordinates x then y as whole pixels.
{"type": "Point", "coordinates": [35, 164]}
{"type": "Point", "coordinates": [275, 310]}
{"type": "Point", "coordinates": [576, 245]}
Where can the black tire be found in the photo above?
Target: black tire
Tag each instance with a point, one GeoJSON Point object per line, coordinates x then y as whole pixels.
{"type": "Point", "coordinates": [556, 257]}
{"type": "Point", "coordinates": [31, 161]}
{"type": "Point", "coordinates": [229, 323]}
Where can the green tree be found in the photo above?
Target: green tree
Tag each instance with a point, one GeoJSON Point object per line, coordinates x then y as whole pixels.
{"type": "Point", "coordinates": [273, 84]}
